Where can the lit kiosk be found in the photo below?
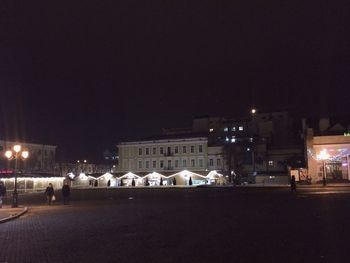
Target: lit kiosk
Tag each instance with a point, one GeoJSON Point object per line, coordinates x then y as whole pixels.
{"type": "Point", "coordinates": [15, 154]}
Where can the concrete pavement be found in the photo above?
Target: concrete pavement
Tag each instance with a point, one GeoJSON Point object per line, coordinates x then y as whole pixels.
{"type": "Point", "coordinates": [8, 213]}
{"type": "Point", "coordinates": [181, 225]}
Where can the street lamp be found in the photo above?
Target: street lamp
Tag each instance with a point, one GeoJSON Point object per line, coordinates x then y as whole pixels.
{"type": "Point", "coordinates": [15, 154]}
{"type": "Point", "coordinates": [251, 139]}
{"type": "Point", "coordinates": [323, 156]}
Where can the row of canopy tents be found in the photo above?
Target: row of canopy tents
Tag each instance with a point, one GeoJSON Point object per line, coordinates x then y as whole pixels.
{"type": "Point", "coordinates": [183, 178]}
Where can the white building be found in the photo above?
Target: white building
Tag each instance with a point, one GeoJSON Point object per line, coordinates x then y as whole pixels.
{"type": "Point", "coordinates": [164, 155]}
{"type": "Point", "coordinates": [41, 157]}
{"type": "Point", "coordinates": [169, 157]}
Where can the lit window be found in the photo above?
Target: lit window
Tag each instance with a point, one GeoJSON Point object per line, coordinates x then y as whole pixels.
{"type": "Point", "coordinates": [233, 139]}
{"type": "Point", "coordinates": [270, 163]}
{"type": "Point", "coordinates": [241, 128]}
{"type": "Point", "coordinates": [211, 130]}
{"type": "Point", "coordinates": [226, 130]}
{"type": "Point", "coordinates": [233, 129]}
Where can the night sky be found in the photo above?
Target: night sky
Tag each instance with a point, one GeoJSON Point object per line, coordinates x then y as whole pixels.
{"type": "Point", "coordinates": [84, 75]}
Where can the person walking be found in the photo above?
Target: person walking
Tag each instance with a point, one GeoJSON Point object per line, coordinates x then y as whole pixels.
{"type": "Point", "coordinates": [65, 193]}
{"type": "Point", "coordinates": [50, 193]}
{"type": "Point", "coordinates": [2, 192]}
{"type": "Point", "coordinates": [293, 185]}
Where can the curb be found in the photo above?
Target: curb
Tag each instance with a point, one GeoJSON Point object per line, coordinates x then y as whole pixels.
{"type": "Point", "coordinates": [25, 210]}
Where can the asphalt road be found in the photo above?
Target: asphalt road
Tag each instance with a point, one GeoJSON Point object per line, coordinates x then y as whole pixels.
{"type": "Point", "coordinates": [183, 225]}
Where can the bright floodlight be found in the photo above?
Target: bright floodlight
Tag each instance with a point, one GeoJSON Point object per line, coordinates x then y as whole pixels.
{"type": "Point", "coordinates": [323, 155]}
{"type": "Point", "coordinates": [8, 154]}
{"type": "Point", "coordinates": [17, 148]}
{"type": "Point", "coordinates": [253, 111]}
{"type": "Point", "coordinates": [25, 154]}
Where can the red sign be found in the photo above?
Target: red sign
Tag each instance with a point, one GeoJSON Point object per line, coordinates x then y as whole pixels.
{"type": "Point", "coordinates": [6, 172]}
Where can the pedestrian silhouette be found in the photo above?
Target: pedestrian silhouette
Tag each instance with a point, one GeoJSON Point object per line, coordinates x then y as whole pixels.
{"type": "Point", "coordinates": [65, 193]}
{"type": "Point", "coordinates": [49, 192]}
{"type": "Point", "coordinates": [293, 185]}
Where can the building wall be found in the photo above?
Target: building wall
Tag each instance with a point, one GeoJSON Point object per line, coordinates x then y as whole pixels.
{"type": "Point", "coordinates": [164, 155]}
{"type": "Point", "coordinates": [216, 159]}
{"type": "Point", "coordinates": [41, 157]}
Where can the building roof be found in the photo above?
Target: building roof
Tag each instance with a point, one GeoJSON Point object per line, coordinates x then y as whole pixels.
{"type": "Point", "coordinates": [168, 137]}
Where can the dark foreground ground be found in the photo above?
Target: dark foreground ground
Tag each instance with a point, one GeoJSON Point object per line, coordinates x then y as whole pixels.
{"type": "Point", "coordinates": [183, 225]}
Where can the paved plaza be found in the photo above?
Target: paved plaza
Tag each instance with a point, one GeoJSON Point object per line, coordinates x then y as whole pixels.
{"type": "Point", "coordinates": [183, 225]}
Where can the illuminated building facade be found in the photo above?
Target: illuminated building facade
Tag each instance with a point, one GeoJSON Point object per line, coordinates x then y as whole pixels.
{"type": "Point", "coordinates": [169, 154]}
{"type": "Point", "coordinates": [328, 151]}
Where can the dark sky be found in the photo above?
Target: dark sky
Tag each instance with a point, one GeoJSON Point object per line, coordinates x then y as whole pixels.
{"type": "Point", "coordinates": [87, 74]}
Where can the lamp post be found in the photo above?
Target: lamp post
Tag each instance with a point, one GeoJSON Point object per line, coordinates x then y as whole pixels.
{"type": "Point", "coordinates": [253, 111]}
{"type": "Point", "coordinates": [230, 140]}
{"type": "Point", "coordinates": [16, 153]}
{"type": "Point", "coordinates": [324, 156]}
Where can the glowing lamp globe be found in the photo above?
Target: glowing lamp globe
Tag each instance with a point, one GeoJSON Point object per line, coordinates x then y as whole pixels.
{"type": "Point", "coordinates": [8, 154]}
{"type": "Point", "coordinates": [25, 154]}
{"type": "Point", "coordinates": [17, 148]}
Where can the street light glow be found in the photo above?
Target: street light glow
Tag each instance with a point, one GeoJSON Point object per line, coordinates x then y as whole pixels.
{"type": "Point", "coordinates": [17, 148]}
{"type": "Point", "coordinates": [25, 154]}
{"type": "Point", "coordinates": [8, 154]}
{"type": "Point", "coordinates": [253, 111]}
{"type": "Point", "coordinates": [18, 153]}
{"type": "Point", "coordinates": [323, 155]}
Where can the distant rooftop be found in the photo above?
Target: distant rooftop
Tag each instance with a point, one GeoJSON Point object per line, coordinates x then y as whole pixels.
{"type": "Point", "coordinates": [169, 137]}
